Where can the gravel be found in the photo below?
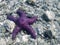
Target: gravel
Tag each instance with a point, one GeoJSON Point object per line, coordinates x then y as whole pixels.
{"type": "Point", "coordinates": [51, 9]}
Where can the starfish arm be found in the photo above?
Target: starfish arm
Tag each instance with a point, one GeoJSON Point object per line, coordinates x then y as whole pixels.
{"type": "Point", "coordinates": [30, 31]}
{"type": "Point", "coordinates": [32, 20]}
{"type": "Point", "coordinates": [21, 13]}
{"type": "Point", "coordinates": [15, 32]}
{"type": "Point", "coordinates": [10, 17]}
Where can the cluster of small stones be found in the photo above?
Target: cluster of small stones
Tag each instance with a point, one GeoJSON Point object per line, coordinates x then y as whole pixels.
{"type": "Point", "coordinates": [49, 8]}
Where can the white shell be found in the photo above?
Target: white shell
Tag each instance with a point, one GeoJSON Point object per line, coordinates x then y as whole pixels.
{"type": "Point", "coordinates": [9, 25]}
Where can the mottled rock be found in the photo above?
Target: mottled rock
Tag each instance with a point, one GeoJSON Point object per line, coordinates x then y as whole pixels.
{"type": "Point", "coordinates": [50, 15]}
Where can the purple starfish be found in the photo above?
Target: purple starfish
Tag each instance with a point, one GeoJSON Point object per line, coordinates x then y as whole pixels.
{"type": "Point", "coordinates": [23, 22]}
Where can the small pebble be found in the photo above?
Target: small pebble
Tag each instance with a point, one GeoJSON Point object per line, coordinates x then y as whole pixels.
{"type": "Point", "coordinates": [17, 39]}
{"type": "Point", "coordinates": [2, 18]}
{"type": "Point", "coordinates": [45, 18]}
{"type": "Point", "coordinates": [58, 6]}
{"type": "Point", "coordinates": [2, 41]}
{"type": "Point", "coordinates": [2, 29]}
{"type": "Point", "coordinates": [48, 34]}
{"type": "Point", "coordinates": [25, 38]}
{"type": "Point", "coordinates": [9, 41]}
{"type": "Point", "coordinates": [31, 3]}
{"type": "Point", "coordinates": [48, 16]}
{"type": "Point", "coordinates": [31, 0]}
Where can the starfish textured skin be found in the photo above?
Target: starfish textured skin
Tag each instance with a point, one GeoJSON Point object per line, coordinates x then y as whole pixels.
{"type": "Point", "coordinates": [23, 22]}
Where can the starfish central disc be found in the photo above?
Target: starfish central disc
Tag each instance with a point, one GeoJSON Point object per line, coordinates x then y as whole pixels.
{"type": "Point", "coordinates": [23, 22]}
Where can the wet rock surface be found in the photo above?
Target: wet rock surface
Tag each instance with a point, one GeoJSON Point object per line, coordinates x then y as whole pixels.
{"type": "Point", "coordinates": [48, 12]}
